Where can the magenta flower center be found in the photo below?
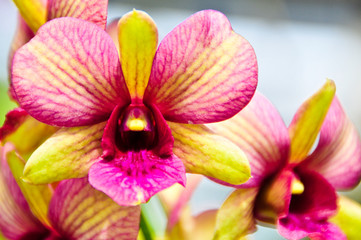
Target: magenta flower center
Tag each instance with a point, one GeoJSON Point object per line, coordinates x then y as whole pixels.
{"type": "Point", "coordinates": [135, 129]}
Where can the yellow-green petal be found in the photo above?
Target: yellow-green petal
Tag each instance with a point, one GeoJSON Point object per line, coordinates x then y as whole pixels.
{"type": "Point", "coordinates": [69, 153]}
{"type": "Point", "coordinates": [206, 153]}
{"type": "Point", "coordinates": [235, 217]}
{"type": "Point", "coordinates": [308, 120]}
{"type": "Point", "coordinates": [33, 11]}
{"type": "Point", "coordinates": [37, 196]}
{"type": "Point", "coordinates": [138, 39]}
{"type": "Point", "coordinates": [348, 218]}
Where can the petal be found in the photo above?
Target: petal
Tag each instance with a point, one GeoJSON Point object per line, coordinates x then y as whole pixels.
{"type": "Point", "coordinates": [275, 197]}
{"type": "Point", "coordinates": [94, 11]}
{"type": "Point", "coordinates": [318, 200]}
{"type": "Point", "coordinates": [78, 211]}
{"type": "Point", "coordinates": [206, 153]}
{"type": "Point", "coordinates": [338, 154]}
{"type": "Point", "coordinates": [296, 228]}
{"type": "Point", "coordinates": [134, 177]}
{"type": "Point", "coordinates": [16, 218]}
{"type": "Point", "coordinates": [37, 196]}
{"type": "Point", "coordinates": [308, 120]}
{"type": "Point", "coordinates": [235, 217]}
{"type": "Point", "coordinates": [23, 34]}
{"type": "Point", "coordinates": [203, 71]}
{"type": "Point", "coordinates": [261, 133]}
{"type": "Point", "coordinates": [69, 74]}
{"type": "Point", "coordinates": [69, 153]}
{"type": "Point", "coordinates": [33, 11]}
{"type": "Point", "coordinates": [348, 217]}
{"type": "Point", "coordinates": [24, 132]}
{"type": "Point", "coordinates": [138, 39]}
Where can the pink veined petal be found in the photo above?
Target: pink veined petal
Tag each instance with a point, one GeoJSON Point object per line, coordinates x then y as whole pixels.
{"type": "Point", "coordinates": [94, 11]}
{"type": "Point", "coordinates": [22, 35]}
{"type": "Point", "coordinates": [338, 154]}
{"type": "Point", "coordinates": [293, 227]}
{"type": "Point", "coordinates": [78, 211]}
{"type": "Point", "coordinates": [203, 71]}
{"type": "Point", "coordinates": [69, 74]}
{"type": "Point", "coordinates": [17, 221]}
{"type": "Point", "coordinates": [261, 133]}
{"type": "Point", "coordinates": [134, 177]}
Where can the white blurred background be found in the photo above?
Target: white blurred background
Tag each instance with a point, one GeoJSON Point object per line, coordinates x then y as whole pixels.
{"type": "Point", "coordinates": [299, 43]}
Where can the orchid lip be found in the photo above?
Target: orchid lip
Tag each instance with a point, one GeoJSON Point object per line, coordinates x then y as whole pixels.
{"type": "Point", "coordinates": [136, 129]}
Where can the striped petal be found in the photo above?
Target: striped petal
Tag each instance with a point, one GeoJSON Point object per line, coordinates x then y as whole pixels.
{"type": "Point", "coordinates": [94, 11]}
{"type": "Point", "coordinates": [37, 196]}
{"type": "Point", "coordinates": [138, 39]}
{"type": "Point", "coordinates": [308, 120]}
{"type": "Point", "coordinates": [69, 153]}
{"type": "Point", "coordinates": [261, 133]}
{"type": "Point", "coordinates": [69, 74]}
{"type": "Point", "coordinates": [78, 211]}
{"type": "Point", "coordinates": [235, 217]}
{"type": "Point", "coordinates": [33, 11]}
{"type": "Point", "coordinates": [338, 154]}
{"type": "Point", "coordinates": [23, 34]}
{"type": "Point", "coordinates": [16, 218]}
{"type": "Point", "coordinates": [133, 178]}
{"type": "Point", "coordinates": [348, 217]}
{"type": "Point", "coordinates": [204, 152]}
{"type": "Point", "coordinates": [203, 71]}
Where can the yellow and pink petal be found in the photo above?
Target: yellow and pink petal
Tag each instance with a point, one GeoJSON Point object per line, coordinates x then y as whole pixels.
{"type": "Point", "coordinates": [202, 71]}
{"type": "Point", "coordinates": [338, 154]}
{"type": "Point", "coordinates": [261, 133]}
{"type": "Point", "coordinates": [69, 74]}
{"type": "Point", "coordinates": [205, 152]}
{"type": "Point", "coordinates": [68, 153]}
{"type": "Point", "coordinates": [78, 211]}
{"type": "Point", "coordinates": [308, 120]}
{"type": "Point", "coordinates": [94, 11]}
{"type": "Point", "coordinates": [138, 40]}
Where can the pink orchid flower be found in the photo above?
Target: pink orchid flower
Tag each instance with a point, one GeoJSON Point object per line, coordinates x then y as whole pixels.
{"type": "Point", "coordinates": [115, 111]}
{"type": "Point", "coordinates": [290, 187]}
{"type": "Point", "coordinates": [71, 209]}
{"type": "Point", "coordinates": [35, 13]}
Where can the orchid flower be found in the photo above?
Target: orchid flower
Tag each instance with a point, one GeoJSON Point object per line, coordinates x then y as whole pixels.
{"type": "Point", "coordinates": [71, 209]}
{"type": "Point", "coordinates": [290, 187]}
{"type": "Point", "coordinates": [35, 13]}
{"type": "Point", "coordinates": [113, 112]}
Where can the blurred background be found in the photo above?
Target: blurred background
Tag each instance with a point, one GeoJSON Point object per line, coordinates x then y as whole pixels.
{"type": "Point", "coordinates": [299, 43]}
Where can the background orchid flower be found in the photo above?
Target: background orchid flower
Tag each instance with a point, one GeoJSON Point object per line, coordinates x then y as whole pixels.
{"type": "Point", "coordinates": [290, 187]}
{"type": "Point", "coordinates": [71, 209]}
{"type": "Point", "coordinates": [35, 13]}
{"type": "Point", "coordinates": [114, 112]}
